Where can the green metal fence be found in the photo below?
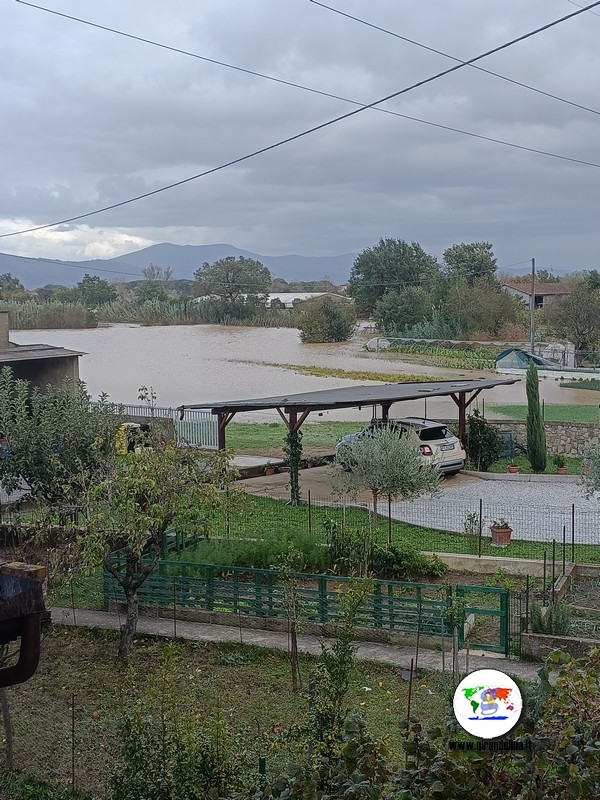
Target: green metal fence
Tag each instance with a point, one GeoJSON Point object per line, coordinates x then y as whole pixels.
{"type": "Point", "coordinates": [391, 606]}
{"type": "Point", "coordinates": [489, 609]}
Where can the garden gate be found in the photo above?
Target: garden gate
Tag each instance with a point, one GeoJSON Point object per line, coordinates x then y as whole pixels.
{"type": "Point", "coordinates": [491, 619]}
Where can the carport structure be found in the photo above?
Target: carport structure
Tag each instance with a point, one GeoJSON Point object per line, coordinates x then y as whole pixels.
{"type": "Point", "coordinates": [295, 408]}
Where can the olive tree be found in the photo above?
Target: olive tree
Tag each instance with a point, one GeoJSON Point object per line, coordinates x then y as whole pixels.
{"type": "Point", "coordinates": [135, 505]}
{"type": "Point", "coordinates": [56, 441]}
{"type": "Point", "coordinates": [388, 464]}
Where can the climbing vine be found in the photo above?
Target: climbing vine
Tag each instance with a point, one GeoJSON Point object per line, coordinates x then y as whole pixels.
{"type": "Point", "coordinates": [293, 454]}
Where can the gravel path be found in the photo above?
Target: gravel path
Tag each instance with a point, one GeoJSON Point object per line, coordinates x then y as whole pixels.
{"type": "Point", "coordinates": [535, 511]}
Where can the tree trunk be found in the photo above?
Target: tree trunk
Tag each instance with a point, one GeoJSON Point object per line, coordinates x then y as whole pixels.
{"type": "Point", "coordinates": [128, 630]}
{"type": "Point", "coordinates": [375, 503]}
{"type": "Point", "coordinates": [8, 730]}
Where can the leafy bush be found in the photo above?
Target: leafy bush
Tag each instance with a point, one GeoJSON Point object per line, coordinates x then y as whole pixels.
{"type": "Point", "coordinates": [405, 564]}
{"type": "Point", "coordinates": [556, 621]}
{"type": "Point", "coordinates": [327, 322]}
{"type": "Point", "coordinates": [483, 443]}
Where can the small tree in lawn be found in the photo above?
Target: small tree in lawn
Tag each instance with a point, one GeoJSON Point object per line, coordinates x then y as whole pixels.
{"type": "Point", "coordinates": [389, 465]}
{"type": "Point", "coordinates": [536, 435]}
{"type": "Point", "coordinates": [142, 498]}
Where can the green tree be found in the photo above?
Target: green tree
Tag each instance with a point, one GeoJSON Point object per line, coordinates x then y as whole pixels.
{"type": "Point", "coordinates": [388, 465]}
{"type": "Point", "coordinates": [470, 261]}
{"type": "Point", "coordinates": [326, 321]}
{"type": "Point", "coordinates": [483, 443]}
{"type": "Point", "coordinates": [401, 309]}
{"type": "Point", "coordinates": [131, 510]}
{"type": "Point", "coordinates": [56, 441]}
{"type": "Point", "coordinates": [390, 264]}
{"type": "Point", "coordinates": [57, 293]}
{"type": "Point", "coordinates": [480, 307]}
{"type": "Point", "coordinates": [94, 291]}
{"type": "Point", "coordinates": [11, 288]}
{"type": "Point", "coordinates": [150, 290]}
{"type": "Point", "coordinates": [576, 317]}
{"type": "Point", "coordinates": [154, 273]}
{"type": "Point", "coordinates": [234, 280]}
{"type": "Point", "coordinates": [536, 435]}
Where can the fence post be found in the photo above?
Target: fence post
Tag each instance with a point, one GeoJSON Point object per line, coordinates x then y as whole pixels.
{"type": "Point", "coordinates": [544, 584]}
{"type": "Point", "coordinates": [377, 605]}
{"type": "Point", "coordinates": [309, 514]}
{"type": "Point", "coordinates": [527, 604]}
{"type": "Point", "coordinates": [564, 554]}
{"type": "Point", "coordinates": [73, 743]}
{"type": "Point", "coordinates": [553, 566]}
{"type": "Point", "coordinates": [210, 588]}
{"type": "Point", "coordinates": [323, 599]}
{"type": "Point", "coordinates": [227, 512]}
{"type": "Point", "coordinates": [480, 527]}
{"type": "Point", "coordinates": [573, 533]}
{"type": "Point", "coordinates": [174, 606]}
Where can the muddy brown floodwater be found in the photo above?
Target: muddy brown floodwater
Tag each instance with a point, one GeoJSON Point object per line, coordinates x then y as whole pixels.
{"type": "Point", "coordinates": [193, 364]}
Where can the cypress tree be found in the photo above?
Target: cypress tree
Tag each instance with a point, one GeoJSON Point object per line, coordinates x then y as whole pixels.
{"type": "Point", "coordinates": [536, 435]}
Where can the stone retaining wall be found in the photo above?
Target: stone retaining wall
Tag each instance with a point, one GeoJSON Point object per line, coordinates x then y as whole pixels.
{"type": "Point", "coordinates": [569, 438]}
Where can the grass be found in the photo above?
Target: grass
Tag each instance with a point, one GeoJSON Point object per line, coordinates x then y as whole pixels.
{"type": "Point", "coordinates": [552, 413]}
{"type": "Point", "coordinates": [573, 465]}
{"type": "Point", "coordinates": [268, 438]}
{"type": "Point", "coordinates": [350, 374]}
{"type": "Point", "coordinates": [249, 687]}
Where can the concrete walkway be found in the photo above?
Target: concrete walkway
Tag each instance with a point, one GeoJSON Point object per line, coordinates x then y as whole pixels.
{"type": "Point", "coordinates": [367, 651]}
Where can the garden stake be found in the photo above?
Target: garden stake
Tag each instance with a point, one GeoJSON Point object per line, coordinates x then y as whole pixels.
{"type": "Point", "coordinates": [544, 586]}
{"type": "Point", "coordinates": [553, 565]}
{"type": "Point", "coordinates": [467, 657]}
{"type": "Point", "coordinates": [389, 521]}
{"type": "Point", "coordinates": [174, 608]}
{"type": "Point", "coordinates": [564, 546]}
{"type": "Point", "coordinates": [480, 527]}
{"type": "Point", "coordinates": [418, 636]}
{"type": "Point", "coordinates": [73, 601]}
{"type": "Point", "coordinates": [526, 603]}
{"type": "Point", "coordinates": [443, 649]}
{"type": "Point", "coordinates": [309, 514]}
{"type": "Point", "coordinates": [573, 533]}
{"type": "Point", "coordinates": [73, 743]}
{"type": "Point", "coordinates": [410, 680]}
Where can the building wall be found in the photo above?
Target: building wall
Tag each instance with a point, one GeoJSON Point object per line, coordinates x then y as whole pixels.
{"type": "Point", "coordinates": [44, 371]}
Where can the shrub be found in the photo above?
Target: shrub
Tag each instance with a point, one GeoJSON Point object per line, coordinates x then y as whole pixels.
{"type": "Point", "coordinates": [327, 322]}
{"type": "Point", "coordinates": [405, 564]}
{"type": "Point", "coordinates": [483, 442]}
{"type": "Point", "coordinates": [556, 621]}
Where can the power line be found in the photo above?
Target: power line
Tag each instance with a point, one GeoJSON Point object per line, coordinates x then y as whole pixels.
{"type": "Point", "coordinates": [454, 58]}
{"type": "Point", "coordinates": [256, 74]}
{"type": "Point", "coordinates": [307, 131]}
{"type": "Point", "coordinates": [313, 90]}
{"type": "Point", "coordinates": [58, 263]}
{"type": "Point", "coordinates": [579, 6]}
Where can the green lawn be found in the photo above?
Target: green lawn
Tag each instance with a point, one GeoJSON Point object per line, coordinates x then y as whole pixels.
{"type": "Point", "coordinates": [248, 687]}
{"type": "Point", "coordinates": [264, 438]}
{"type": "Point", "coordinates": [553, 413]}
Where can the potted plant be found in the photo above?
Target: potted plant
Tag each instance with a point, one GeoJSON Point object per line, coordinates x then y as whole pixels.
{"type": "Point", "coordinates": [501, 532]}
{"type": "Point", "coordinates": [270, 469]}
{"type": "Point", "coordinates": [513, 468]}
{"type": "Point", "coordinates": [560, 462]}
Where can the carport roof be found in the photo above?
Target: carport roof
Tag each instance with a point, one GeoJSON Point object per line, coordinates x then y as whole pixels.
{"type": "Point", "coordinates": [353, 396]}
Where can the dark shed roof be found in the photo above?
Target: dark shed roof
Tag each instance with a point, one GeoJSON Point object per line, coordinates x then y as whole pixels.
{"type": "Point", "coordinates": [353, 396]}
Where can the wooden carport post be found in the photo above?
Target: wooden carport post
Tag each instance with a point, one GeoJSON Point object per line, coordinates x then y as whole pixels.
{"type": "Point", "coordinates": [294, 447]}
{"type": "Point", "coordinates": [224, 418]}
{"type": "Point", "coordinates": [461, 401]}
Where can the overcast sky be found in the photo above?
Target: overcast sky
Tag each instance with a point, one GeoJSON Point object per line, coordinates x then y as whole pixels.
{"type": "Point", "coordinates": [90, 118]}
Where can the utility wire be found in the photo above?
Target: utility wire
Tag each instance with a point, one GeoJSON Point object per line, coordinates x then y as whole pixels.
{"type": "Point", "coordinates": [579, 6]}
{"type": "Point", "coordinates": [247, 71]}
{"type": "Point", "coordinates": [454, 58]}
{"type": "Point", "coordinates": [307, 131]}
{"type": "Point", "coordinates": [311, 89]}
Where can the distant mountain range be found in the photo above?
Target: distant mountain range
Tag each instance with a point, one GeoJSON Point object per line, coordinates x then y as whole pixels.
{"type": "Point", "coordinates": [183, 260]}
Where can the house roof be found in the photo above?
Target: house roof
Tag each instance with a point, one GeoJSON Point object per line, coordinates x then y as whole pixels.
{"type": "Point", "coordinates": [540, 288]}
{"type": "Point", "coordinates": [33, 352]}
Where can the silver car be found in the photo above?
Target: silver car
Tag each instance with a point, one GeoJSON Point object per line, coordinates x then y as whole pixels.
{"type": "Point", "coordinates": [437, 443]}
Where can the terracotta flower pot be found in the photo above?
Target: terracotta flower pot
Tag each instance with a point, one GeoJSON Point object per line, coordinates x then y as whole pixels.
{"type": "Point", "coordinates": [513, 468]}
{"type": "Point", "coordinates": [500, 536]}
{"type": "Point", "coordinates": [561, 470]}
{"type": "Point", "coordinates": [270, 471]}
